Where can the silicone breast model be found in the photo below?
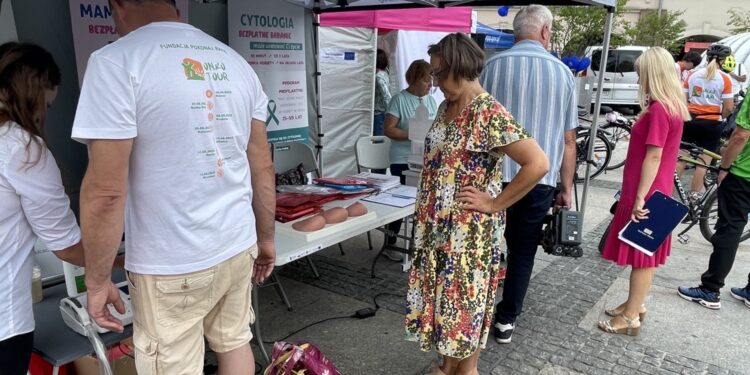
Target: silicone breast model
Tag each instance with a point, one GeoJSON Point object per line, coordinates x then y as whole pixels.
{"type": "Point", "coordinates": [335, 215]}
{"type": "Point", "coordinates": [310, 224]}
{"type": "Point", "coordinates": [357, 209]}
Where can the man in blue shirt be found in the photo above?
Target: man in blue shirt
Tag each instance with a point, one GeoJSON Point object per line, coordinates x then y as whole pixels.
{"type": "Point", "coordinates": [539, 90]}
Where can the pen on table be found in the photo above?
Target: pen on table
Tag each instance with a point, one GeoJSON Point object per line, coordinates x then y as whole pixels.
{"type": "Point", "coordinates": [402, 196]}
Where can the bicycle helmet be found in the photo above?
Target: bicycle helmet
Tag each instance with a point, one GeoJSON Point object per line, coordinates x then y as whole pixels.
{"type": "Point", "coordinates": [718, 51]}
{"type": "Point", "coordinates": [729, 64]}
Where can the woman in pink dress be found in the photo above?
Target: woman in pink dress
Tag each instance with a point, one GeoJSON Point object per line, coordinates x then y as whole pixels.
{"type": "Point", "coordinates": [649, 166]}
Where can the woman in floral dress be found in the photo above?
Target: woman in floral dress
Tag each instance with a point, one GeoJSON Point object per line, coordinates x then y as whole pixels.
{"type": "Point", "coordinates": [460, 209]}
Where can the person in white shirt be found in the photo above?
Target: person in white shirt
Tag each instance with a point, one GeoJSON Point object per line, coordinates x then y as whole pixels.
{"type": "Point", "coordinates": [174, 121]}
{"type": "Point", "coordinates": [687, 64]}
{"type": "Point", "coordinates": [33, 203]}
{"type": "Point", "coordinates": [737, 75]}
{"type": "Point", "coordinates": [739, 79]}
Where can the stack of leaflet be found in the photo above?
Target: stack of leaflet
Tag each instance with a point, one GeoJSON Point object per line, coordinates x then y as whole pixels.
{"type": "Point", "coordinates": [291, 205]}
{"type": "Point", "coordinates": [378, 181]}
{"type": "Point", "coordinates": [349, 184]}
{"type": "Point", "coordinates": [419, 125]}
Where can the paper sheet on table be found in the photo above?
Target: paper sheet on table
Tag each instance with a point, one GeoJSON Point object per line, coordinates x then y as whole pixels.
{"type": "Point", "coordinates": [403, 191]}
{"type": "Point", "coordinates": [390, 200]}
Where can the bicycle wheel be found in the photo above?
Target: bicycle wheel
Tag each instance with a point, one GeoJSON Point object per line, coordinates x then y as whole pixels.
{"type": "Point", "coordinates": [602, 155]}
{"type": "Point", "coordinates": [709, 216]}
{"type": "Point", "coordinates": [603, 240]}
{"type": "Point", "coordinates": [619, 138]}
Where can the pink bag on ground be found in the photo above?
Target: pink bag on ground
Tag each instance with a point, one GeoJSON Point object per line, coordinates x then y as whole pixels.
{"type": "Point", "coordinates": [302, 358]}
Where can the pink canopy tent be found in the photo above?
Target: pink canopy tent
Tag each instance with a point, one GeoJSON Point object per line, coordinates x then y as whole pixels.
{"type": "Point", "coordinates": [453, 19]}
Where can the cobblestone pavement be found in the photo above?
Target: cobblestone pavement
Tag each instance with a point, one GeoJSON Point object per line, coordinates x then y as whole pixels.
{"type": "Point", "coordinates": [548, 339]}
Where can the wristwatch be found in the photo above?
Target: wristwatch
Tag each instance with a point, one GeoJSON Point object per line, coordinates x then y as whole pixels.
{"type": "Point", "coordinates": [724, 169]}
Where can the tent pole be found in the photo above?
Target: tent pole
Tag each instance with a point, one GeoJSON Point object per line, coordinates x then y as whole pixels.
{"type": "Point", "coordinates": [597, 107]}
{"type": "Point", "coordinates": [318, 110]}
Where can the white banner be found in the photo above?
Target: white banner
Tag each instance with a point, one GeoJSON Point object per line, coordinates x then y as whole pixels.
{"type": "Point", "coordinates": [270, 35]}
{"type": "Point", "coordinates": [93, 28]}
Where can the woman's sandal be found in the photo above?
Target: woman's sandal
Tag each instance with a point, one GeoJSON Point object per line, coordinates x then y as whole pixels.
{"type": "Point", "coordinates": [641, 315]}
{"type": "Point", "coordinates": [630, 330]}
{"type": "Point", "coordinates": [435, 370]}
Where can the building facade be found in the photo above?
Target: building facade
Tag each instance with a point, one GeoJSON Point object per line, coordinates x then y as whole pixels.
{"type": "Point", "coordinates": [706, 20]}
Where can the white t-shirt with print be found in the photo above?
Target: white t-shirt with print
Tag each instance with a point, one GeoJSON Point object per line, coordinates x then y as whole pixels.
{"type": "Point", "coordinates": [33, 205]}
{"type": "Point", "coordinates": [706, 96]}
{"type": "Point", "coordinates": [737, 85]}
{"type": "Point", "coordinates": [187, 101]}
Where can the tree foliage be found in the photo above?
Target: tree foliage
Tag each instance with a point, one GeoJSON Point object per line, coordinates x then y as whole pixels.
{"type": "Point", "coordinates": [576, 27]}
{"type": "Point", "coordinates": [739, 20]}
{"type": "Point", "coordinates": [658, 30]}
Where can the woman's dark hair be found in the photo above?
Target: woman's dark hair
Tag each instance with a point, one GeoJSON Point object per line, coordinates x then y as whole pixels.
{"type": "Point", "coordinates": [26, 71]}
{"type": "Point", "coordinates": [459, 55]}
{"type": "Point", "coordinates": [381, 61]}
{"type": "Point", "coordinates": [693, 58]}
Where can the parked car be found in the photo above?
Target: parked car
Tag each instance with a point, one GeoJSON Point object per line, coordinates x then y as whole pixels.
{"type": "Point", "coordinates": [620, 79]}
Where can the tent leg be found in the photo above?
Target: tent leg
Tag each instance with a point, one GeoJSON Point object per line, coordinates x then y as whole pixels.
{"type": "Point", "coordinates": [597, 107]}
{"type": "Point", "coordinates": [318, 109]}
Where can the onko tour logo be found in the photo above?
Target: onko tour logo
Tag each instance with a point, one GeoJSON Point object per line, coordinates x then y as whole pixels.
{"type": "Point", "coordinates": [193, 70]}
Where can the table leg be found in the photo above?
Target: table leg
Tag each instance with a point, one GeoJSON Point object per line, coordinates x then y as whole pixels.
{"type": "Point", "coordinates": [257, 335]}
{"type": "Point", "coordinates": [374, 261]}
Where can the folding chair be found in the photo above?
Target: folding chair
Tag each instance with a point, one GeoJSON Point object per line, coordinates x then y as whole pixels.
{"type": "Point", "coordinates": [373, 152]}
{"type": "Point", "coordinates": [289, 155]}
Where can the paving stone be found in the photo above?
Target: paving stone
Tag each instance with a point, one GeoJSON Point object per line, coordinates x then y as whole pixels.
{"type": "Point", "coordinates": [671, 366]}
{"type": "Point", "coordinates": [608, 356]}
{"type": "Point", "coordinates": [622, 370]}
{"type": "Point", "coordinates": [627, 362]}
{"type": "Point", "coordinates": [654, 353]}
{"type": "Point", "coordinates": [547, 340]}
{"type": "Point", "coordinates": [581, 367]}
{"type": "Point", "coordinates": [501, 370]}
{"type": "Point", "coordinates": [647, 368]}
{"type": "Point", "coordinates": [652, 361]}
{"type": "Point", "coordinates": [693, 372]}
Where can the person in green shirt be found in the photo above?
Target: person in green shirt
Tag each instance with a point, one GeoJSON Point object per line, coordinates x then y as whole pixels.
{"type": "Point", "coordinates": [401, 109]}
{"type": "Point", "coordinates": [734, 207]}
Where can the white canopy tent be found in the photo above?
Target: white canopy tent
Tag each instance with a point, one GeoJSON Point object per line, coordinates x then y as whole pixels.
{"type": "Point", "coordinates": [321, 6]}
{"type": "Point", "coordinates": [347, 43]}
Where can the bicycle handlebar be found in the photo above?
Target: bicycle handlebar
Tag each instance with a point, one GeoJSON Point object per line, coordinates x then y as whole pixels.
{"type": "Point", "coordinates": [697, 150]}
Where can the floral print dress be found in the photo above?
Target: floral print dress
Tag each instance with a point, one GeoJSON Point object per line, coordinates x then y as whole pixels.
{"type": "Point", "coordinates": [456, 261]}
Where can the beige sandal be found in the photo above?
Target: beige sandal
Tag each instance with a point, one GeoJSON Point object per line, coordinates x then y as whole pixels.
{"type": "Point", "coordinates": [631, 329]}
{"type": "Point", "coordinates": [641, 315]}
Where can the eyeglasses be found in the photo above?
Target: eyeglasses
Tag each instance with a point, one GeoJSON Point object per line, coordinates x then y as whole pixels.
{"type": "Point", "coordinates": [436, 76]}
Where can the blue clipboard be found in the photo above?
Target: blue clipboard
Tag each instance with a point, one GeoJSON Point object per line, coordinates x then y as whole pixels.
{"type": "Point", "coordinates": [648, 234]}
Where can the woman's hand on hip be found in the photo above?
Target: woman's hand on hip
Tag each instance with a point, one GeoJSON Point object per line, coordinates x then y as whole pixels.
{"type": "Point", "coordinates": [473, 199]}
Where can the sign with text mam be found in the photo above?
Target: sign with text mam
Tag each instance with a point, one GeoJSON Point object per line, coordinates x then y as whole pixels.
{"type": "Point", "coordinates": [270, 35]}
{"type": "Point", "coordinates": [93, 28]}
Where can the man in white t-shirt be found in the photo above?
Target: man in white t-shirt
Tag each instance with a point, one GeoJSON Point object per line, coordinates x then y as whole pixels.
{"type": "Point", "coordinates": [178, 155]}
{"type": "Point", "coordinates": [739, 79]}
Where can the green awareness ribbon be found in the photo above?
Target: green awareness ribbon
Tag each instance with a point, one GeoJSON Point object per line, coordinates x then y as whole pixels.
{"type": "Point", "coordinates": [272, 113]}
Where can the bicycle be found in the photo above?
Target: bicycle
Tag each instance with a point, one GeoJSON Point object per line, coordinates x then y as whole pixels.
{"type": "Point", "coordinates": [703, 211]}
{"type": "Point", "coordinates": [602, 153]}
{"type": "Point", "coordinates": [617, 129]}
